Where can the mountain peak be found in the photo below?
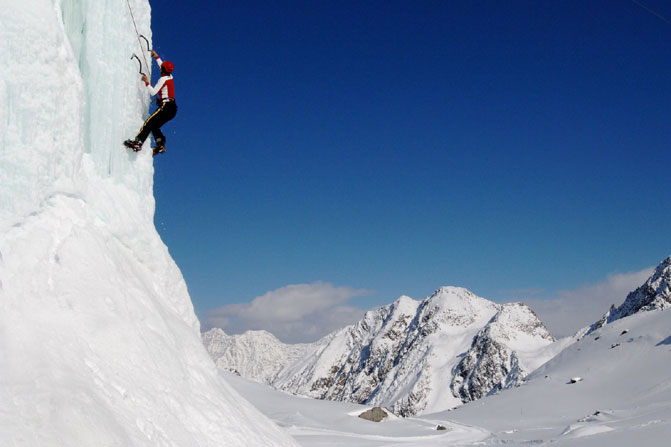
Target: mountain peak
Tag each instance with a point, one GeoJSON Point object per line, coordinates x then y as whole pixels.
{"type": "Point", "coordinates": [457, 297]}
{"type": "Point", "coordinates": [457, 307]}
{"type": "Point", "coordinates": [455, 292]}
{"type": "Point", "coordinates": [405, 304]}
{"type": "Point", "coordinates": [654, 294]}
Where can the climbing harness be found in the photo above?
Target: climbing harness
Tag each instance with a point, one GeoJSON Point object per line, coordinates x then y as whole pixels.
{"type": "Point", "coordinates": [139, 40]}
{"type": "Point", "coordinates": [652, 11]}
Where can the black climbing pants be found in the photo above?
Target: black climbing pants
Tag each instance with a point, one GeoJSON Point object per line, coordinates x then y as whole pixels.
{"type": "Point", "coordinates": [165, 113]}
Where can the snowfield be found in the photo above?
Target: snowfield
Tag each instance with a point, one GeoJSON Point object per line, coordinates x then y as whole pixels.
{"type": "Point", "coordinates": [624, 397]}
{"type": "Point", "coordinates": [326, 423]}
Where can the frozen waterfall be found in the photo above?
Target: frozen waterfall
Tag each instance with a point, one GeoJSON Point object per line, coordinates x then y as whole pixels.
{"type": "Point", "coordinates": [99, 344]}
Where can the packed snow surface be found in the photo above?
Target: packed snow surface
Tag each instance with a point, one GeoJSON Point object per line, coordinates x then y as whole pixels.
{"type": "Point", "coordinates": [99, 344]}
{"type": "Point", "coordinates": [322, 423]}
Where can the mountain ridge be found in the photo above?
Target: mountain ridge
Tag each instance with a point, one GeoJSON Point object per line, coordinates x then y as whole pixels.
{"type": "Point", "coordinates": [396, 353]}
{"type": "Point", "coordinates": [653, 294]}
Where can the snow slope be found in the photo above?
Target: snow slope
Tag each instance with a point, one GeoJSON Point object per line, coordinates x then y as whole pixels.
{"type": "Point", "coordinates": [99, 344]}
{"type": "Point", "coordinates": [322, 423]}
{"type": "Point", "coordinates": [622, 399]}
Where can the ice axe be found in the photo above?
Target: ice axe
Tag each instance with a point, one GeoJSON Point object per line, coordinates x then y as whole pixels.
{"type": "Point", "coordinates": [134, 56]}
{"type": "Point", "coordinates": [146, 40]}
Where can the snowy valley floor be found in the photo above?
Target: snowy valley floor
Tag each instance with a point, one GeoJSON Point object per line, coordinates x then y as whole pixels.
{"type": "Point", "coordinates": [623, 399]}
{"type": "Point", "coordinates": [316, 423]}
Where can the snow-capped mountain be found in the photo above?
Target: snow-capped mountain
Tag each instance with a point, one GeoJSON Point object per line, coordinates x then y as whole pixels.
{"type": "Point", "coordinates": [654, 294]}
{"type": "Point", "coordinates": [256, 355]}
{"type": "Point", "coordinates": [405, 355]}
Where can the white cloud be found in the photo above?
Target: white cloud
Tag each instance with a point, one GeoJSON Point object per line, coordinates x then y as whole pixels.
{"type": "Point", "coordinates": [571, 310]}
{"type": "Point", "coordinates": [295, 313]}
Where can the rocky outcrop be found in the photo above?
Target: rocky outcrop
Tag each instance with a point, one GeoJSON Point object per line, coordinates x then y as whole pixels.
{"type": "Point", "coordinates": [486, 368]}
{"type": "Point", "coordinates": [496, 359]}
{"type": "Point", "coordinates": [654, 294]}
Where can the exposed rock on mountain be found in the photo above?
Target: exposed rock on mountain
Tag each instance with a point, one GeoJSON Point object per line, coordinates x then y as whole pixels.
{"type": "Point", "coordinates": [404, 356]}
{"type": "Point", "coordinates": [654, 294]}
{"type": "Point", "coordinates": [502, 353]}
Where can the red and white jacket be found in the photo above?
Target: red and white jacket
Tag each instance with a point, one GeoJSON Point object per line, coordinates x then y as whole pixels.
{"type": "Point", "coordinates": [165, 87]}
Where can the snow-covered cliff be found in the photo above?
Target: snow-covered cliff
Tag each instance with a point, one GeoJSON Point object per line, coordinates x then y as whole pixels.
{"type": "Point", "coordinates": [99, 343]}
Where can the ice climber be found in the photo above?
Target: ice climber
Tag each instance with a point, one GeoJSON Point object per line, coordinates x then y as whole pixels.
{"type": "Point", "coordinates": [167, 108]}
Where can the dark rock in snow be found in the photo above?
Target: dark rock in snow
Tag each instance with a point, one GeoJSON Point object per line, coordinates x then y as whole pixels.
{"type": "Point", "coordinates": [375, 414]}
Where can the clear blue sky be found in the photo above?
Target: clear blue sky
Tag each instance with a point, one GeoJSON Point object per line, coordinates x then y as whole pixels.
{"type": "Point", "coordinates": [401, 146]}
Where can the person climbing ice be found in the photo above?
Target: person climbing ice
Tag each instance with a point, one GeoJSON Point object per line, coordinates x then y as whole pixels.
{"type": "Point", "coordinates": [167, 108]}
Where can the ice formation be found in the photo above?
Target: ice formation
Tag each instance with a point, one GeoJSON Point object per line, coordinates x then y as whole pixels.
{"type": "Point", "coordinates": [99, 344]}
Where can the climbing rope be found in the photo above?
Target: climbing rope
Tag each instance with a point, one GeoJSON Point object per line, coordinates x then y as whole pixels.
{"type": "Point", "coordinates": [139, 37]}
{"type": "Point", "coordinates": [652, 11]}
